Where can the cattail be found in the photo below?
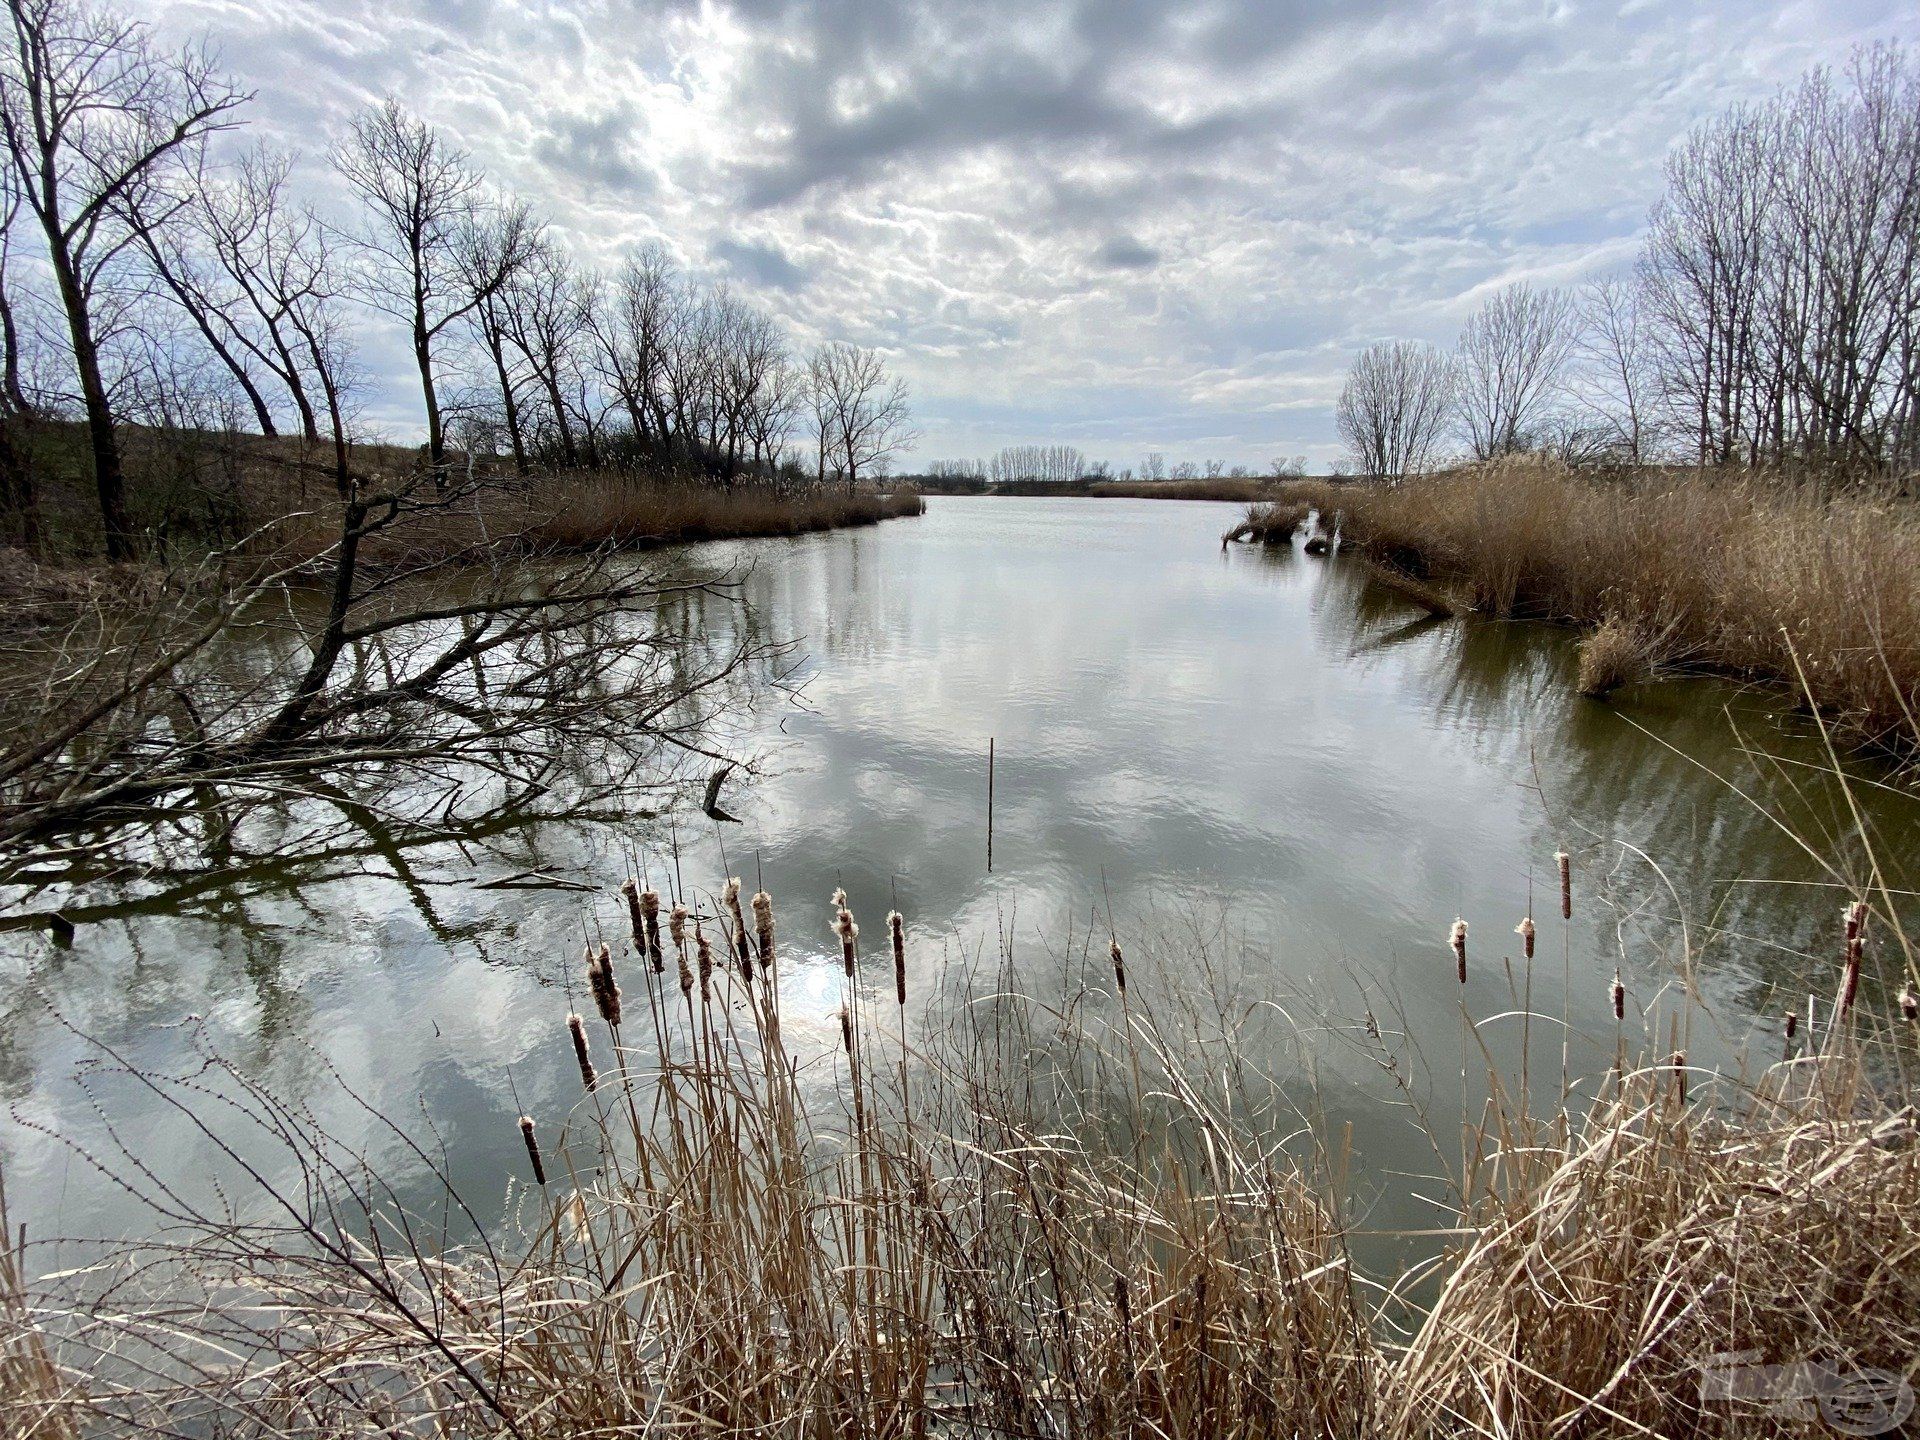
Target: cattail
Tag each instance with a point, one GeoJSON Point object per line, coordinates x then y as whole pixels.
{"type": "Point", "coordinates": [677, 929]}
{"type": "Point", "coordinates": [533, 1150]}
{"type": "Point", "coordinates": [763, 923]}
{"type": "Point", "coordinates": [1680, 1075]}
{"type": "Point", "coordinates": [705, 952]}
{"type": "Point", "coordinates": [630, 892]}
{"type": "Point", "coordinates": [578, 1030]}
{"type": "Point", "coordinates": [650, 912]}
{"type": "Point", "coordinates": [1119, 966]}
{"type": "Point", "coordinates": [731, 895]}
{"type": "Point", "coordinates": [1619, 997]}
{"type": "Point", "coordinates": [1525, 931]}
{"type": "Point", "coordinates": [897, 929]}
{"type": "Point", "coordinates": [1122, 1301]}
{"type": "Point", "coordinates": [1565, 862]}
{"type": "Point", "coordinates": [606, 990]}
{"type": "Point", "coordinates": [846, 1029]}
{"type": "Point", "coordinates": [1855, 948]}
{"type": "Point", "coordinates": [844, 927]}
{"type": "Point", "coordinates": [1793, 1025]}
{"type": "Point", "coordinates": [1909, 1004]}
{"type": "Point", "coordinates": [1458, 939]}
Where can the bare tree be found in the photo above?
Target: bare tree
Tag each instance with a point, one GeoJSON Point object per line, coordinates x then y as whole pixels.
{"type": "Point", "coordinates": [1395, 406]}
{"type": "Point", "coordinates": [1513, 357]}
{"type": "Point", "coordinates": [92, 111]}
{"type": "Point", "coordinates": [861, 410]}
{"type": "Point", "coordinates": [425, 236]}
{"type": "Point", "coordinates": [1615, 380]}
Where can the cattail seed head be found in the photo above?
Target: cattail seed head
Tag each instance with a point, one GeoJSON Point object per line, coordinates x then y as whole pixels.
{"type": "Point", "coordinates": [1123, 1300]}
{"type": "Point", "coordinates": [705, 953]}
{"type": "Point", "coordinates": [578, 1030]}
{"type": "Point", "coordinates": [1457, 938]}
{"type": "Point", "coordinates": [606, 990]}
{"type": "Point", "coordinates": [677, 928]}
{"type": "Point", "coordinates": [1793, 1023]}
{"type": "Point", "coordinates": [533, 1150]}
{"type": "Point", "coordinates": [650, 917]}
{"type": "Point", "coordinates": [1525, 931]}
{"type": "Point", "coordinates": [1855, 916]}
{"type": "Point", "coordinates": [741, 950]}
{"type": "Point", "coordinates": [897, 930]}
{"type": "Point", "coordinates": [1565, 862]}
{"type": "Point", "coordinates": [763, 926]}
{"type": "Point", "coordinates": [846, 1029]}
{"type": "Point", "coordinates": [1119, 965]}
{"type": "Point", "coordinates": [630, 892]}
{"type": "Point", "coordinates": [1680, 1075]}
{"type": "Point", "coordinates": [1619, 997]}
{"type": "Point", "coordinates": [1909, 1004]}
{"type": "Point", "coordinates": [844, 927]}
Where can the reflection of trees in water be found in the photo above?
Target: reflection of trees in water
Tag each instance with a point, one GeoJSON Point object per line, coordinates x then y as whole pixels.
{"type": "Point", "coordinates": [1711, 781]}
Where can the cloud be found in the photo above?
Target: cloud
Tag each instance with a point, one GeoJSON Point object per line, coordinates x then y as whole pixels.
{"type": "Point", "coordinates": [1123, 252]}
{"type": "Point", "coordinates": [1130, 224]}
{"type": "Point", "coordinates": [762, 265]}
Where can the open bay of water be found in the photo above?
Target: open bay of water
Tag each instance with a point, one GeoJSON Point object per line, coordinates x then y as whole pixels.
{"type": "Point", "coordinates": [1257, 746]}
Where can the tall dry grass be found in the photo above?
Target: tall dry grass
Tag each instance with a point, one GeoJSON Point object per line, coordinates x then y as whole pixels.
{"type": "Point", "coordinates": [1071, 1220]}
{"type": "Point", "coordinates": [1732, 573]}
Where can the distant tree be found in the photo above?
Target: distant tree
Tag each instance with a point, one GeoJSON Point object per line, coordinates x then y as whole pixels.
{"type": "Point", "coordinates": [95, 118]}
{"type": "Point", "coordinates": [859, 410]}
{"type": "Point", "coordinates": [432, 258]}
{"type": "Point", "coordinates": [1513, 360]}
{"type": "Point", "coordinates": [1394, 408]}
{"type": "Point", "coordinates": [1615, 381]}
{"type": "Point", "coordinates": [1154, 467]}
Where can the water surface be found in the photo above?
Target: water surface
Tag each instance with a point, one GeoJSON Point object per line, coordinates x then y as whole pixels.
{"type": "Point", "coordinates": [1257, 746]}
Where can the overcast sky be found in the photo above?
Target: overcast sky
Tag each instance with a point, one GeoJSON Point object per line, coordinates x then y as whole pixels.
{"type": "Point", "coordinates": [1125, 224]}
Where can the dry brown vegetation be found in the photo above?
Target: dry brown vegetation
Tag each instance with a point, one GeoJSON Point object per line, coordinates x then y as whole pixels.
{"type": "Point", "coordinates": [1737, 573]}
{"type": "Point", "coordinates": [1036, 1221]}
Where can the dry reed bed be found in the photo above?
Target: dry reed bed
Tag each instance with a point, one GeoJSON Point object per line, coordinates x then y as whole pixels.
{"type": "Point", "coordinates": [1731, 573]}
{"type": "Point", "coordinates": [938, 1247]}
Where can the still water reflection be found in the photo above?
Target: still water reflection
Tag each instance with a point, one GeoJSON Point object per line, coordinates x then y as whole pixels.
{"type": "Point", "coordinates": [1257, 744]}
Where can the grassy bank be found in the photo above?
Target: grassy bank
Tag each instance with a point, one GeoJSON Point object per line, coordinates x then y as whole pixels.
{"type": "Point", "coordinates": [1693, 569]}
{"type": "Point", "coordinates": [1037, 1221]}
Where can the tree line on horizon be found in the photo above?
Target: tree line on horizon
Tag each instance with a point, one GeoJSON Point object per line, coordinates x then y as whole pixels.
{"type": "Point", "coordinates": [1771, 320]}
{"type": "Point", "coordinates": [147, 280]}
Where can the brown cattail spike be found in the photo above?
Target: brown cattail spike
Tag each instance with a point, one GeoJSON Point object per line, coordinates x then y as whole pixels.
{"type": "Point", "coordinates": [1525, 931]}
{"type": "Point", "coordinates": [1909, 1004]}
{"type": "Point", "coordinates": [1680, 1075]}
{"type": "Point", "coordinates": [533, 1150]}
{"type": "Point", "coordinates": [1457, 937]}
{"type": "Point", "coordinates": [1565, 862]}
{"type": "Point", "coordinates": [763, 927]}
{"type": "Point", "coordinates": [677, 929]}
{"type": "Point", "coordinates": [1122, 1301]}
{"type": "Point", "coordinates": [606, 990]}
{"type": "Point", "coordinates": [705, 953]}
{"type": "Point", "coordinates": [844, 927]}
{"type": "Point", "coordinates": [630, 892]}
{"type": "Point", "coordinates": [846, 1029]}
{"type": "Point", "coordinates": [1793, 1025]}
{"type": "Point", "coordinates": [1619, 998]}
{"type": "Point", "coordinates": [742, 952]}
{"type": "Point", "coordinates": [1855, 947]}
{"type": "Point", "coordinates": [578, 1030]}
{"type": "Point", "coordinates": [1119, 966]}
{"type": "Point", "coordinates": [650, 913]}
{"type": "Point", "coordinates": [897, 931]}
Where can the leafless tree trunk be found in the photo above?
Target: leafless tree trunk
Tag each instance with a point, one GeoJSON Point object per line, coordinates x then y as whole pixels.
{"type": "Point", "coordinates": [861, 410]}
{"type": "Point", "coordinates": [425, 206]}
{"type": "Point", "coordinates": [1513, 354]}
{"type": "Point", "coordinates": [92, 111]}
{"type": "Point", "coordinates": [1395, 406]}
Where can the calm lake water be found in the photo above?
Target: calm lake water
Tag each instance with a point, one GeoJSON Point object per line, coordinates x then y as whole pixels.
{"type": "Point", "coordinates": [1258, 747]}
